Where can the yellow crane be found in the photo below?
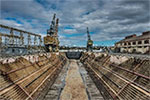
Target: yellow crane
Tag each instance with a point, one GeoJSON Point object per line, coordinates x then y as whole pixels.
{"type": "Point", "coordinates": [51, 41]}
{"type": "Point", "coordinates": [89, 42]}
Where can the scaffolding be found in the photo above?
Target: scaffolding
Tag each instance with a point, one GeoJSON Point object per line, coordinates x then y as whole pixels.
{"type": "Point", "coordinates": [15, 39]}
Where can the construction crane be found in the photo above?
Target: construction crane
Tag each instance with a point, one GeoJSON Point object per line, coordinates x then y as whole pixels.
{"type": "Point", "coordinates": [51, 41]}
{"type": "Point", "coordinates": [89, 42]}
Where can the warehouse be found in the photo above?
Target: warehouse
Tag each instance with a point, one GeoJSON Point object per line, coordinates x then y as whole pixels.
{"type": "Point", "coordinates": [134, 44]}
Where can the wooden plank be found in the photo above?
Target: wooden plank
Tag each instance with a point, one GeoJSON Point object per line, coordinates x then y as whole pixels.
{"type": "Point", "coordinates": [44, 80]}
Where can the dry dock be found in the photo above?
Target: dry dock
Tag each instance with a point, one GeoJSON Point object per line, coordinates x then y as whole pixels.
{"type": "Point", "coordinates": [95, 76]}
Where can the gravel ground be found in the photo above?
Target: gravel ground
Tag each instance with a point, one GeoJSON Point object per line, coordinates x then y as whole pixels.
{"type": "Point", "coordinates": [74, 88]}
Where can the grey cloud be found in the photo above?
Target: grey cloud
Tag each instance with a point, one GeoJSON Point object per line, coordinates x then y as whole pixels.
{"type": "Point", "coordinates": [106, 18]}
{"type": "Point", "coordinates": [28, 9]}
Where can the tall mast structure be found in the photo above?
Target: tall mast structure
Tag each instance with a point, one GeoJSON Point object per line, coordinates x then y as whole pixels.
{"type": "Point", "coordinates": [51, 40]}
{"type": "Point", "coordinates": [89, 41]}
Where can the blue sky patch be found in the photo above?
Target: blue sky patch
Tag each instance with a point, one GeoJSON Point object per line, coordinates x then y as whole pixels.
{"type": "Point", "coordinates": [14, 19]}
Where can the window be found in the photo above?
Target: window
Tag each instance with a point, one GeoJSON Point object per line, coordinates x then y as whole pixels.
{"type": "Point", "coordinates": [146, 42]}
{"type": "Point", "coordinates": [139, 42]}
{"type": "Point", "coordinates": [125, 43]}
{"type": "Point", "coordinates": [140, 47]}
{"type": "Point", "coordinates": [129, 43]}
{"type": "Point", "coordinates": [13, 50]}
{"type": "Point", "coordinates": [134, 43]}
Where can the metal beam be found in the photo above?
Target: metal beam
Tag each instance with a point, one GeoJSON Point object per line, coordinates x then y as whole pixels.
{"type": "Point", "coordinates": [7, 27]}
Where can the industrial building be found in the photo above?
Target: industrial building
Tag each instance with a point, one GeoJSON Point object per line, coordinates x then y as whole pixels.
{"type": "Point", "coordinates": [134, 44]}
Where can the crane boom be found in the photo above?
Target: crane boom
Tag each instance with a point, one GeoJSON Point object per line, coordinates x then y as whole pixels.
{"type": "Point", "coordinates": [89, 41]}
{"type": "Point", "coordinates": [51, 41]}
{"type": "Point", "coordinates": [88, 34]}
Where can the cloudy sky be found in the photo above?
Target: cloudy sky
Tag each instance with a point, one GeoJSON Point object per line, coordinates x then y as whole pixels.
{"type": "Point", "coordinates": [108, 20]}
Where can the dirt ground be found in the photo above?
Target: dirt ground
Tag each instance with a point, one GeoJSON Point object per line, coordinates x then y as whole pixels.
{"type": "Point", "coordinates": [74, 88]}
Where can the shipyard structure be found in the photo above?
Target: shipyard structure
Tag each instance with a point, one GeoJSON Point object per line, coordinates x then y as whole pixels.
{"type": "Point", "coordinates": [51, 41]}
{"type": "Point", "coordinates": [31, 69]}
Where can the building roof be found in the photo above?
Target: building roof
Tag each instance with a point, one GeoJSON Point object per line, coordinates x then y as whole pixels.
{"type": "Point", "coordinates": [144, 36]}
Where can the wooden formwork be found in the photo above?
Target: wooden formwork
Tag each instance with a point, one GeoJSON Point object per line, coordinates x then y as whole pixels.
{"type": "Point", "coordinates": [129, 80]}
{"type": "Point", "coordinates": [23, 79]}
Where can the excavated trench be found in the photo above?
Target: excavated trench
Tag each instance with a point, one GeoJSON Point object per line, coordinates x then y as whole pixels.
{"type": "Point", "coordinates": [84, 76]}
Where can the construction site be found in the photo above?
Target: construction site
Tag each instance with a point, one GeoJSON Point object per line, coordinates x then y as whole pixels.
{"type": "Point", "coordinates": [32, 68]}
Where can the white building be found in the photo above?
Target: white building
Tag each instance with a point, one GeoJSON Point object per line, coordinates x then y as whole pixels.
{"type": "Point", "coordinates": [135, 44]}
